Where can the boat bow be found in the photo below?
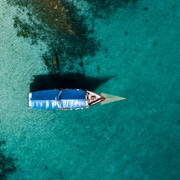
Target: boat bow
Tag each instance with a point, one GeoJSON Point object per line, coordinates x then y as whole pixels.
{"type": "Point", "coordinates": [108, 98]}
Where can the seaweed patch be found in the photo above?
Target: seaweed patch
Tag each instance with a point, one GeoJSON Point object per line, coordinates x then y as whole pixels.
{"type": "Point", "coordinates": [60, 25]}
{"type": "Point", "coordinates": [7, 163]}
{"type": "Point", "coordinates": [65, 28]}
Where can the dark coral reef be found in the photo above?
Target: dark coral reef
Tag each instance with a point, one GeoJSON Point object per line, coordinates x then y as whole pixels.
{"type": "Point", "coordinates": [59, 24]}
{"type": "Point", "coordinates": [63, 28]}
{"type": "Point", "coordinates": [104, 8]}
{"type": "Point", "coordinates": [7, 163]}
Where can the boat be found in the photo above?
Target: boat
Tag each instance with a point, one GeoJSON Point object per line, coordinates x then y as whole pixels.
{"type": "Point", "coordinates": [67, 99]}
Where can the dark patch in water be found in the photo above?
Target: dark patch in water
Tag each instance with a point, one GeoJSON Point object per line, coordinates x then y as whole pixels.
{"type": "Point", "coordinates": [59, 24]}
{"type": "Point", "coordinates": [126, 33]}
{"type": "Point", "coordinates": [154, 43]}
{"type": "Point", "coordinates": [159, 63]}
{"type": "Point", "coordinates": [146, 8]}
{"type": "Point", "coordinates": [71, 80]}
{"type": "Point", "coordinates": [98, 68]}
{"type": "Point", "coordinates": [7, 164]}
{"type": "Point", "coordinates": [104, 8]}
{"type": "Point", "coordinates": [81, 64]}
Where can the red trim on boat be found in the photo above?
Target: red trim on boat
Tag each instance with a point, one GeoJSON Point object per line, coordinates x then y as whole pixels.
{"type": "Point", "coordinates": [102, 98]}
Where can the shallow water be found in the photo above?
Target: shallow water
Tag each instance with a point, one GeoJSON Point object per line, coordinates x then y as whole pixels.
{"type": "Point", "coordinates": [125, 49]}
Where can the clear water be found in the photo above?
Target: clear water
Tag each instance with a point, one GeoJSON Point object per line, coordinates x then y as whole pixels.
{"type": "Point", "coordinates": [130, 50]}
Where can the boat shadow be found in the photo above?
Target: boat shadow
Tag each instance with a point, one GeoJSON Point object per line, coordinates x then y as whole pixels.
{"type": "Point", "coordinates": [70, 80]}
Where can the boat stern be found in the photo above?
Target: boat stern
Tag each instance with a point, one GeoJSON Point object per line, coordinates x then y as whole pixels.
{"type": "Point", "coordinates": [29, 99]}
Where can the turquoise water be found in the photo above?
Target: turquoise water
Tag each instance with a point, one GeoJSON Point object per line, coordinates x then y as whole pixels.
{"type": "Point", "coordinates": [128, 48]}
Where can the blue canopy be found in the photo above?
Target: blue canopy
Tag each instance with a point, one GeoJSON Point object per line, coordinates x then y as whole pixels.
{"type": "Point", "coordinates": [55, 99]}
{"type": "Point", "coordinates": [72, 98]}
{"type": "Point", "coordinates": [45, 99]}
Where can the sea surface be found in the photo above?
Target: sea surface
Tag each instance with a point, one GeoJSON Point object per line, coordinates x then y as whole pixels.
{"type": "Point", "coordinates": [128, 48]}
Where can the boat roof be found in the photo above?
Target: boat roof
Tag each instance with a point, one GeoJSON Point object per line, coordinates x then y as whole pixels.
{"type": "Point", "coordinates": [45, 95]}
{"type": "Point", "coordinates": [67, 94]}
{"type": "Point", "coordinates": [56, 99]}
{"type": "Point", "coordinates": [72, 98]}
